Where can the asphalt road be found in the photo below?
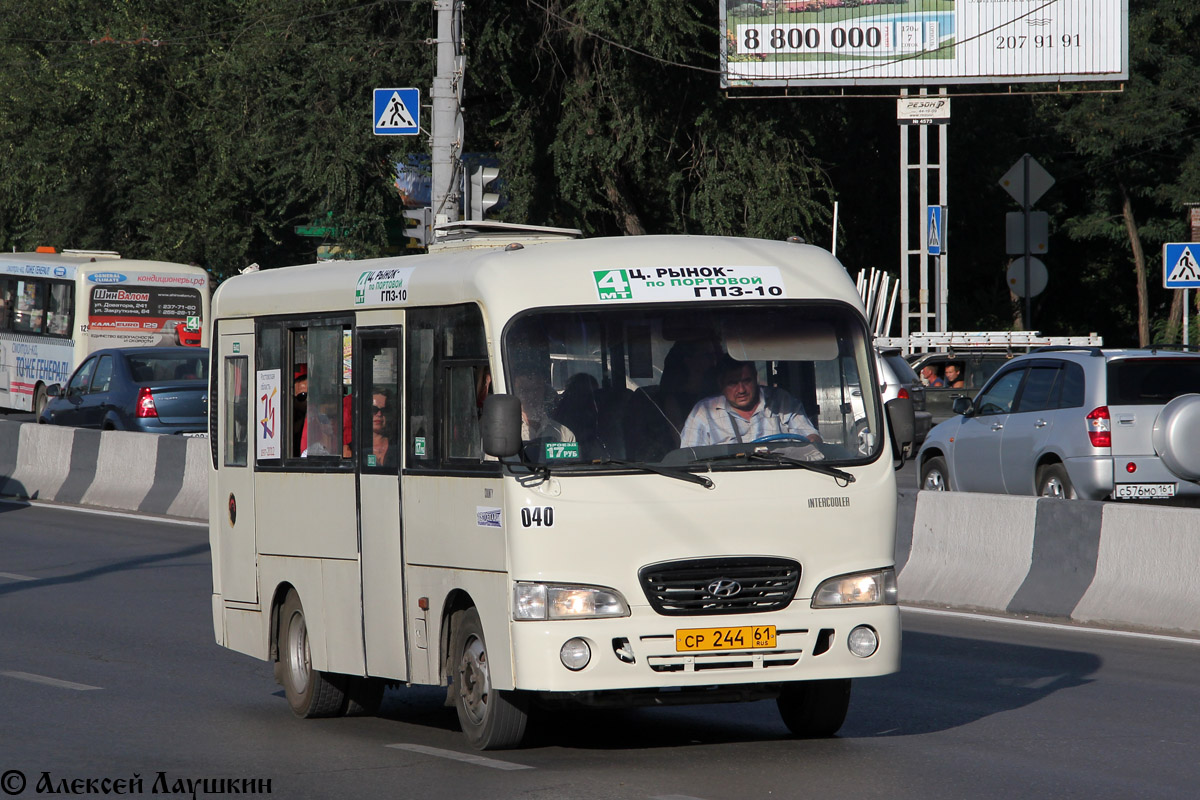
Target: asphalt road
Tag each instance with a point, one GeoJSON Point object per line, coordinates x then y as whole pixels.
{"type": "Point", "coordinates": [108, 671]}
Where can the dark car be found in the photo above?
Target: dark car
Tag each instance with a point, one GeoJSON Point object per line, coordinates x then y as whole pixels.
{"type": "Point", "coordinates": [150, 389]}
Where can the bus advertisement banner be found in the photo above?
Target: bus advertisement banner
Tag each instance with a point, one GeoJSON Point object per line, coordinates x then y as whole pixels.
{"type": "Point", "coordinates": [138, 309]}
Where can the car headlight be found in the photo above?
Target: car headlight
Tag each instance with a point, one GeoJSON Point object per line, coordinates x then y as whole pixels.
{"type": "Point", "coordinates": [874, 588]}
{"type": "Point", "coordinates": [560, 601]}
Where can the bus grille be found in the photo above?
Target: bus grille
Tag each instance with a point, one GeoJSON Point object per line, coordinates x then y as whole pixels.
{"type": "Point", "coordinates": [720, 585]}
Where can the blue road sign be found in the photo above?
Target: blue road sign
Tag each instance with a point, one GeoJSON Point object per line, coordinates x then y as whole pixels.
{"type": "Point", "coordinates": [397, 112]}
{"type": "Point", "coordinates": [935, 216]}
{"type": "Point", "coordinates": [1181, 265]}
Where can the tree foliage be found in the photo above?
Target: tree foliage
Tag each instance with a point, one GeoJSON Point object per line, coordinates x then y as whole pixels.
{"type": "Point", "coordinates": [208, 131]}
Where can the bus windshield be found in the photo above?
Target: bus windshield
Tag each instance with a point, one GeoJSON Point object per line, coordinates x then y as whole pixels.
{"type": "Point", "coordinates": [730, 386]}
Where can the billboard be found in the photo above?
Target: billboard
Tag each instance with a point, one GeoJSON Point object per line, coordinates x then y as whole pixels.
{"type": "Point", "coordinates": [797, 43]}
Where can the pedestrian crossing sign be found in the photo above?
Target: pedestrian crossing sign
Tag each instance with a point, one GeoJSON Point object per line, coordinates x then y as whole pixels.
{"type": "Point", "coordinates": [1181, 265]}
{"type": "Point", "coordinates": [397, 112]}
{"type": "Point", "coordinates": [936, 242]}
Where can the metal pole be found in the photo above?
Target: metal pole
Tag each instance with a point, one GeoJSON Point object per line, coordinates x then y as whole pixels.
{"type": "Point", "coordinates": [1028, 245]}
{"type": "Point", "coordinates": [923, 205]}
{"type": "Point", "coordinates": [447, 119]}
{"type": "Point", "coordinates": [904, 232]}
{"type": "Point", "coordinates": [943, 299]}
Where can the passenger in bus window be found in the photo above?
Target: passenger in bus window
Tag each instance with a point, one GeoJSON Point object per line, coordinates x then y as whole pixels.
{"type": "Point", "coordinates": [535, 394]}
{"type": "Point", "coordinates": [383, 428]}
{"type": "Point", "coordinates": [744, 411]}
{"type": "Point", "coordinates": [299, 408]}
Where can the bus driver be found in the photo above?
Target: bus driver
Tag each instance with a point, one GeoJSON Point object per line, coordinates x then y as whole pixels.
{"type": "Point", "coordinates": [744, 411]}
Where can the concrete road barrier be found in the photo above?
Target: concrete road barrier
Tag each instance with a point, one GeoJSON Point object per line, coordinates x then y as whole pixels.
{"type": "Point", "coordinates": [1112, 564]}
{"type": "Point", "coordinates": [145, 472]}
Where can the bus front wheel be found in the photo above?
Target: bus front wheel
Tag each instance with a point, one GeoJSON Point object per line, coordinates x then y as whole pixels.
{"type": "Point", "coordinates": [490, 719]}
{"type": "Point", "coordinates": [310, 692]}
{"type": "Point", "coordinates": [815, 709]}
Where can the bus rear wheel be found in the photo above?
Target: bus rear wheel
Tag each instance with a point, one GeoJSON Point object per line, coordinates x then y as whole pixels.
{"type": "Point", "coordinates": [39, 402]}
{"type": "Point", "coordinates": [310, 692]}
{"type": "Point", "coordinates": [815, 709]}
{"type": "Point", "coordinates": [490, 719]}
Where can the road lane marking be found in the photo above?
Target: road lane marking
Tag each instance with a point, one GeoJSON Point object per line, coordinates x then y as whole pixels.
{"type": "Point", "coordinates": [1033, 623]}
{"type": "Point", "coordinates": [466, 758]}
{"type": "Point", "coordinates": [105, 513]}
{"type": "Point", "coordinates": [29, 676]}
{"type": "Point", "coordinates": [12, 576]}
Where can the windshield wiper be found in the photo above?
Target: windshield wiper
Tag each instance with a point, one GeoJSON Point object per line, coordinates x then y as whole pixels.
{"type": "Point", "coordinates": [779, 458]}
{"type": "Point", "coordinates": [677, 474]}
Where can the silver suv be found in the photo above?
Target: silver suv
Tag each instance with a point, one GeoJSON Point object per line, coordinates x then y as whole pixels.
{"type": "Point", "coordinates": [1075, 422]}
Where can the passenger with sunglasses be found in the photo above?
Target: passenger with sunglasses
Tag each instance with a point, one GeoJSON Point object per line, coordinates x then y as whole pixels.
{"type": "Point", "coordinates": [383, 430]}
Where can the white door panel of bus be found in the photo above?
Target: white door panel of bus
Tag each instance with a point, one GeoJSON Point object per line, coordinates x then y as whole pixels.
{"type": "Point", "coordinates": [234, 505]}
{"type": "Point", "coordinates": [379, 400]}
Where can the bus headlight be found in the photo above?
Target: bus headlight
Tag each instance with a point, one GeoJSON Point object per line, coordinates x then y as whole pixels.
{"type": "Point", "coordinates": [559, 601]}
{"type": "Point", "coordinates": [874, 588]}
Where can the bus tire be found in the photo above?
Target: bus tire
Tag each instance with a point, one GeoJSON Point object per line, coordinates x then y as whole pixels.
{"type": "Point", "coordinates": [310, 693]}
{"type": "Point", "coordinates": [39, 401]}
{"type": "Point", "coordinates": [814, 709]}
{"type": "Point", "coordinates": [490, 719]}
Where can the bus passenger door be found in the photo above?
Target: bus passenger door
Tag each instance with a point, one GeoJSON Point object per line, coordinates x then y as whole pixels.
{"type": "Point", "coordinates": [236, 565]}
{"type": "Point", "coordinates": [379, 401]}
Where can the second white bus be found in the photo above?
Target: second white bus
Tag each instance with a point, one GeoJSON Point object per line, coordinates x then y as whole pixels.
{"type": "Point", "coordinates": [55, 308]}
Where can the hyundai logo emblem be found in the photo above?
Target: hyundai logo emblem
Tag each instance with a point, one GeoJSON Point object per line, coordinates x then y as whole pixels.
{"type": "Point", "coordinates": [723, 587]}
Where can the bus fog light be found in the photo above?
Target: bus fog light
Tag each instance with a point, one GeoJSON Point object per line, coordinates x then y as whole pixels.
{"type": "Point", "coordinates": [575, 654]}
{"type": "Point", "coordinates": [863, 641]}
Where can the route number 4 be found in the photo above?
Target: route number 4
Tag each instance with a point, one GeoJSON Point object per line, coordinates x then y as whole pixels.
{"type": "Point", "coordinates": [613, 284]}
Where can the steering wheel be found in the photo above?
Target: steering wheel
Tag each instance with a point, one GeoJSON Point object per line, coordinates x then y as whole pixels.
{"type": "Point", "coordinates": [782, 437]}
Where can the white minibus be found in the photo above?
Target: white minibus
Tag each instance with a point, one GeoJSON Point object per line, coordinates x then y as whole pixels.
{"type": "Point", "coordinates": [638, 470]}
{"type": "Point", "coordinates": [55, 308]}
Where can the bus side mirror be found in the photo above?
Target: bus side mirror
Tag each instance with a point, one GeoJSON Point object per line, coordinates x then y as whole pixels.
{"type": "Point", "coordinates": [501, 425]}
{"type": "Point", "coordinates": [901, 427]}
{"type": "Point", "coordinates": [963, 405]}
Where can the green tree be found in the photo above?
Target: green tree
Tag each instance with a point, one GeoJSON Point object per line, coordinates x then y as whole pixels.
{"type": "Point", "coordinates": [609, 117]}
{"type": "Point", "coordinates": [1140, 155]}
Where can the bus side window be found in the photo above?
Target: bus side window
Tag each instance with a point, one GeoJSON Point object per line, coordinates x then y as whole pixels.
{"type": "Point", "coordinates": [31, 307]}
{"type": "Point", "coordinates": [421, 430]}
{"type": "Point", "coordinates": [327, 430]}
{"type": "Point", "coordinates": [58, 313]}
{"type": "Point", "coordinates": [236, 404]}
{"type": "Point", "coordinates": [6, 304]}
{"type": "Point", "coordinates": [464, 438]}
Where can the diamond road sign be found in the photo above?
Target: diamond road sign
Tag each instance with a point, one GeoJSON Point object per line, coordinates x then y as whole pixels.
{"type": "Point", "coordinates": [1040, 181]}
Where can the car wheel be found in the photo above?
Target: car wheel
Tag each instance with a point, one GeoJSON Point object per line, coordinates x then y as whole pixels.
{"type": "Point", "coordinates": [814, 709]}
{"type": "Point", "coordinates": [934, 477]}
{"type": "Point", "coordinates": [1053, 481]}
{"type": "Point", "coordinates": [310, 692]}
{"type": "Point", "coordinates": [490, 719]}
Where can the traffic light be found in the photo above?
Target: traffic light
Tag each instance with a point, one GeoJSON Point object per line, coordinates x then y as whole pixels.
{"type": "Point", "coordinates": [483, 194]}
{"type": "Point", "coordinates": [418, 224]}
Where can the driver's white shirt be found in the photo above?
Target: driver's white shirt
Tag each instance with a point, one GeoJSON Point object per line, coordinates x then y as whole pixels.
{"type": "Point", "coordinates": [714, 421]}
